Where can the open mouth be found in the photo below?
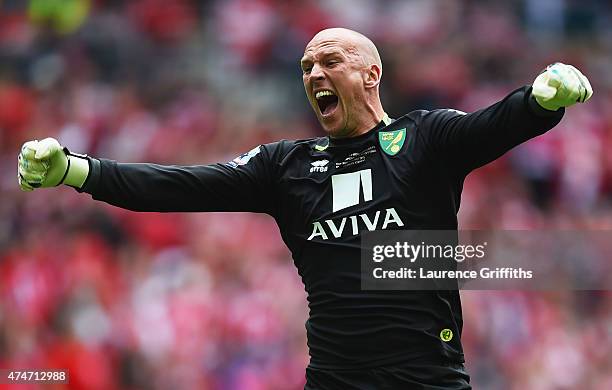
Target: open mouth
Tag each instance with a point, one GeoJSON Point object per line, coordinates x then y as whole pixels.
{"type": "Point", "coordinates": [327, 102]}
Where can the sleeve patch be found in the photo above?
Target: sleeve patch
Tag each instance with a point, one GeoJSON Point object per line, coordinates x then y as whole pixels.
{"type": "Point", "coordinates": [245, 157]}
{"type": "Point", "coordinates": [456, 111]}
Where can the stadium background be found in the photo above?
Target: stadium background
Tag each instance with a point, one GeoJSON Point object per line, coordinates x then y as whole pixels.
{"type": "Point", "coordinates": [212, 301]}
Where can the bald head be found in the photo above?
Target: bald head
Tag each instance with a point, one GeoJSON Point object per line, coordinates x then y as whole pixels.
{"type": "Point", "coordinates": [356, 43]}
{"type": "Point", "coordinates": [341, 70]}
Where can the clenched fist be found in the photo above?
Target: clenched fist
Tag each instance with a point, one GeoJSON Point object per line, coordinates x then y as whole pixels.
{"type": "Point", "coordinates": [561, 85]}
{"type": "Point", "coordinates": [46, 164]}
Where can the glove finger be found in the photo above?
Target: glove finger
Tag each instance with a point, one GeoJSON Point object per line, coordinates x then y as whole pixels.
{"type": "Point", "coordinates": [555, 78]}
{"type": "Point", "coordinates": [46, 147]}
{"type": "Point", "coordinates": [585, 84]}
{"type": "Point", "coordinates": [582, 92]}
{"type": "Point", "coordinates": [576, 87]}
{"type": "Point", "coordinates": [30, 180]}
{"type": "Point", "coordinates": [30, 165]}
{"type": "Point", "coordinates": [589, 90]}
{"type": "Point", "coordinates": [542, 89]}
{"type": "Point", "coordinates": [31, 177]}
{"type": "Point", "coordinates": [30, 173]}
{"type": "Point", "coordinates": [28, 149]}
{"type": "Point", "coordinates": [23, 185]}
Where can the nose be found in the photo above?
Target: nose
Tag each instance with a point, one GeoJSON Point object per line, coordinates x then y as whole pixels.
{"type": "Point", "coordinates": [316, 73]}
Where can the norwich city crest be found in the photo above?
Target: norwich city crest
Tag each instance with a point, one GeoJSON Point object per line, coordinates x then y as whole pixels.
{"type": "Point", "coordinates": [392, 141]}
{"type": "Point", "coordinates": [446, 335]}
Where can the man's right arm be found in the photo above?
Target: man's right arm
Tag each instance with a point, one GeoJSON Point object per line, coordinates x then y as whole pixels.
{"type": "Point", "coordinates": [245, 184]}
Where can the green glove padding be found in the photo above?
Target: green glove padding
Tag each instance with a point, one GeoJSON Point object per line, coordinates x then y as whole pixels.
{"type": "Point", "coordinates": [561, 85]}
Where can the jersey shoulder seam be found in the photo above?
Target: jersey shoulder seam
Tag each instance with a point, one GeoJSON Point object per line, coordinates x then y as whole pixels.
{"type": "Point", "coordinates": [289, 147]}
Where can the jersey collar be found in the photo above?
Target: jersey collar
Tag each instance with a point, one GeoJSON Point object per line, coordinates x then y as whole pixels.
{"type": "Point", "coordinates": [360, 138]}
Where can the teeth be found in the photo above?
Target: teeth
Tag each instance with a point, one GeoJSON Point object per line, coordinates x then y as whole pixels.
{"type": "Point", "coordinates": [320, 94]}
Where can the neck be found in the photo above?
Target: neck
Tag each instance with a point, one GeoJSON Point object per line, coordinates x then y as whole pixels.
{"type": "Point", "coordinates": [373, 115]}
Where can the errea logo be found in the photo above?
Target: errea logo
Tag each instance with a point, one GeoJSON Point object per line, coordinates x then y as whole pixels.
{"type": "Point", "coordinates": [319, 166]}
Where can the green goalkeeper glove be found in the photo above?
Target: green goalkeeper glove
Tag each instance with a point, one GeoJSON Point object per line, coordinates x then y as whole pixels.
{"type": "Point", "coordinates": [561, 85]}
{"type": "Point", "coordinates": [46, 164]}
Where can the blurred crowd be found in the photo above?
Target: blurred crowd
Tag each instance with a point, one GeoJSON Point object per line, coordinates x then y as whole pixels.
{"type": "Point", "coordinates": [212, 301]}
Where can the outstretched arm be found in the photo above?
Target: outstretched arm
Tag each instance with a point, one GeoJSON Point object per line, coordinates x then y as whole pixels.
{"type": "Point", "coordinates": [244, 184]}
{"type": "Point", "coordinates": [468, 141]}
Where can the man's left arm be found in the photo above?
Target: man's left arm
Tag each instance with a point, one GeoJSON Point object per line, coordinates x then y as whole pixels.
{"type": "Point", "coordinates": [468, 141]}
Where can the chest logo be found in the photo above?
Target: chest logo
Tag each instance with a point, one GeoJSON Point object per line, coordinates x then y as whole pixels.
{"type": "Point", "coordinates": [319, 166]}
{"type": "Point", "coordinates": [351, 189]}
{"type": "Point", "coordinates": [348, 186]}
{"type": "Point", "coordinates": [392, 141]}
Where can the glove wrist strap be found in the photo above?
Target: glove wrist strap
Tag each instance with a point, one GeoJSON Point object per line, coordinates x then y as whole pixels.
{"type": "Point", "coordinates": [77, 169]}
{"type": "Point", "coordinates": [65, 173]}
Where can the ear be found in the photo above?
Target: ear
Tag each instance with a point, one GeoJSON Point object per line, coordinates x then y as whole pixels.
{"type": "Point", "coordinates": [372, 76]}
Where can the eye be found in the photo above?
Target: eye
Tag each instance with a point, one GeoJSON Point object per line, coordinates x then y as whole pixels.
{"type": "Point", "coordinates": [306, 69]}
{"type": "Point", "coordinates": [332, 63]}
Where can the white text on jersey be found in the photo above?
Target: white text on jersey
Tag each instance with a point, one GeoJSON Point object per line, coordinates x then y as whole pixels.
{"type": "Point", "coordinates": [338, 228]}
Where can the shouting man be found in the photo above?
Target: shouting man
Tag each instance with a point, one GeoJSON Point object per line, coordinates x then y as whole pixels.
{"type": "Point", "coordinates": [369, 172]}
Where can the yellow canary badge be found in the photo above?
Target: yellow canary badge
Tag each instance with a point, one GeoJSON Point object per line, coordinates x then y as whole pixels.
{"type": "Point", "coordinates": [391, 142]}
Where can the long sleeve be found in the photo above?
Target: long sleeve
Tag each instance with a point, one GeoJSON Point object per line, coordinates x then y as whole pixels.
{"type": "Point", "coordinates": [244, 184]}
{"type": "Point", "coordinates": [468, 141]}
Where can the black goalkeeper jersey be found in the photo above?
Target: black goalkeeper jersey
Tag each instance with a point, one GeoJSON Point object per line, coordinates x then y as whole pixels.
{"type": "Point", "coordinates": [323, 192]}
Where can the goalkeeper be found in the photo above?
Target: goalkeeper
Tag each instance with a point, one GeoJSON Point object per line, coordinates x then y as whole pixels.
{"type": "Point", "coordinates": [368, 172]}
